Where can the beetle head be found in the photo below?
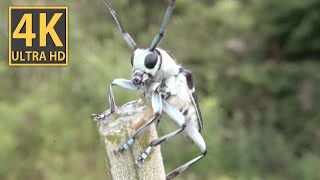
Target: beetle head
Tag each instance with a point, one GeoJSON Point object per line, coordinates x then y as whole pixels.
{"type": "Point", "coordinates": [145, 65]}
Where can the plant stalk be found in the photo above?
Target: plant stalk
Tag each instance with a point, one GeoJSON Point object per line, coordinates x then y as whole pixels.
{"type": "Point", "coordinates": [116, 130]}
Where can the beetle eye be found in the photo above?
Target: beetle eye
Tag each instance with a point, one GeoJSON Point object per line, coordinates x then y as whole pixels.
{"type": "Point", "coordinates": [151, 60]}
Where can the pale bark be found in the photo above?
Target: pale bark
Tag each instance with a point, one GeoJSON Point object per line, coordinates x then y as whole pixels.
{"type": "Point", "coordinates": [116, 130]}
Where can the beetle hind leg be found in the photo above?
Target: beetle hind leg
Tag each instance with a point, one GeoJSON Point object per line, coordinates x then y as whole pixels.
{"type": "Point", "coordinates": [185, 166]}
{"type": "Point", "coordinates": [191, 132]}
{"type": "Point", "coordinates": [196, 137]}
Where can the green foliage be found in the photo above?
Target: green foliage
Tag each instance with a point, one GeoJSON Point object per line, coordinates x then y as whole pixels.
{"type": "Point", "coordinates": [291, 27]}
{"type": "Point", "coordinates": [255, 68]}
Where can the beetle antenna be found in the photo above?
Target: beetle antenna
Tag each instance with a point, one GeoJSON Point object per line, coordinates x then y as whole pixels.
{"type": "Point", "coordinates": [125, 35]}
{"type": "Point", "coordinates": [165, 22]}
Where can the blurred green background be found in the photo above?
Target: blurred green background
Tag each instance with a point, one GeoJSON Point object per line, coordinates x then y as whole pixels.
{"type": "Point", "coordinates": [256, 68]}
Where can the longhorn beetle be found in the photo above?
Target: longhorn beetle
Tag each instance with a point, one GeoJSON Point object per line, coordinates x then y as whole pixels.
{"type": "Point", "coordinates": [170, 87]}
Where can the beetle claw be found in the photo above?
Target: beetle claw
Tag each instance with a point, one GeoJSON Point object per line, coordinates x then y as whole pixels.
{"type": "Point", "coordinates": [97, 117]}
{"type": "Point", "coordinates": [139, 162]}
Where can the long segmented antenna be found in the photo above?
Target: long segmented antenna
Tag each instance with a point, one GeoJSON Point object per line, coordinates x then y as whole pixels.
{"type": "Point", "coordinates": [165, 22]}
{"type": "Point", "coordinates": [125, 35]}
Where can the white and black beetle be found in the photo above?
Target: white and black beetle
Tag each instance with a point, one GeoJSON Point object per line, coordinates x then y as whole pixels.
{"type": "Point", "coordinates": [170, 88]}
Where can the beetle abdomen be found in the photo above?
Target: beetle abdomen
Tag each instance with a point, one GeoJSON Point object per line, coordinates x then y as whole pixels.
{"type": "Point", "coordinates": [185, 102]}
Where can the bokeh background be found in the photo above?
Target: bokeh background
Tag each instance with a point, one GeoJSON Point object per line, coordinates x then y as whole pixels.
{"type": "Point", "coordinates": [256, 68]}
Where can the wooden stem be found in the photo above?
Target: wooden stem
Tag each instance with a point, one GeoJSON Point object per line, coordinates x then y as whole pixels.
{"type": "Point", "coordinates": [116, 130]}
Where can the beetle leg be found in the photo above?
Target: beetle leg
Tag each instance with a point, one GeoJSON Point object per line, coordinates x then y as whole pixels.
{"type": "Point", "coordinates": [157, 142]}
{"type": "Point", "coordinates": [157, 108]}
{"type": "Point", "coordinates": [191, 131]}
{"type": "Point", "coordinates": [194, 134]}
{"type": "Point", "coordinates": [174, 114]}
{"type": "Point", "coordinates": [124, 83]}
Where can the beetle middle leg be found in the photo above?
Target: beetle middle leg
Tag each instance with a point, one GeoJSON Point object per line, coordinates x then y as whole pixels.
{"type": "Point", "coordinates": [178, 117]}
{"type": "Point", "coordinates": [156, 143]}
{"type": "Point", "coordinates": [157, 108]}
{"type": "Point", "coordinates": [124, 83]}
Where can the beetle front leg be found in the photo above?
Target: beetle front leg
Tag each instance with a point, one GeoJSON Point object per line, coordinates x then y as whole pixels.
{"type": "Point", "coordinates": [124, 83]}
{"type": "Point", "coordinates": [157, 108]}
